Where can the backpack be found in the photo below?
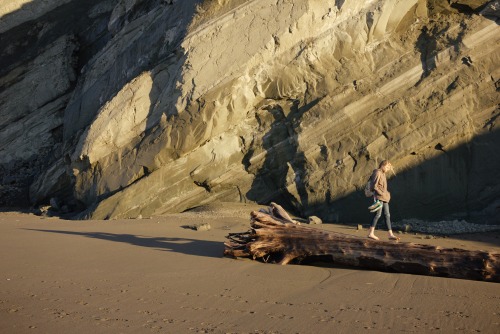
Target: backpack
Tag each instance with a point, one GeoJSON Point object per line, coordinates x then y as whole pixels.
{"type": "Point", "coordinates": [368, 188]}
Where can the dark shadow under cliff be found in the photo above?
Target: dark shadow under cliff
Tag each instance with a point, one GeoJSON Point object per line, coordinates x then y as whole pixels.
{"type": "Point", "coordinates": [460, 183]}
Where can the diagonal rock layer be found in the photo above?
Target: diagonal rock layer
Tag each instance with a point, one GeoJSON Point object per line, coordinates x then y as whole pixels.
{"type": "Point", "coordinates": [140, 107]}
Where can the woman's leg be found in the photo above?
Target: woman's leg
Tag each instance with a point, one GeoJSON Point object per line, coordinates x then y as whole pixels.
{"type": "Point", "coordinates": [377, 216]}
{"type": "Point", "coordinates": [387, 216]}
{"type": "Point", "coordinates": [375, 219]}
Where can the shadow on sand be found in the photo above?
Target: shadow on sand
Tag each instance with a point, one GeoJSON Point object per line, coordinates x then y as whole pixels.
{"type": "Point", "coordinates": [177, 245]}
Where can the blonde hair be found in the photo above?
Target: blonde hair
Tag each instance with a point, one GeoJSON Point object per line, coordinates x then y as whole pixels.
{"type": "Point", "coordinates": [384, 163]}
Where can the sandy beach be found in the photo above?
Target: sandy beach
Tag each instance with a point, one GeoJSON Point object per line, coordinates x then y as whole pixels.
{"type": "Point", "coordinates": [157, 276]}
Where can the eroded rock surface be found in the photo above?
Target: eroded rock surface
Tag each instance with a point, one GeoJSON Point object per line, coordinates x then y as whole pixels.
{"type": "Point", "coordinates": [142, 107]}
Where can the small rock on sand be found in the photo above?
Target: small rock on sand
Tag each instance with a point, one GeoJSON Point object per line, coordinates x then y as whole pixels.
{"type": "Point", "coordinates": [314, 220]}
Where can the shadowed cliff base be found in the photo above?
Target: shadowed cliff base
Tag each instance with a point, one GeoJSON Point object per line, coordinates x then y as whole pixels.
{"type": "Point", "coordinates": [438, 188]}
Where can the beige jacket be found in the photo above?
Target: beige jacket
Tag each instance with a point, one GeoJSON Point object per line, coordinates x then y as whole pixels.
{"type": "Point", "coordinates": [379, 184]}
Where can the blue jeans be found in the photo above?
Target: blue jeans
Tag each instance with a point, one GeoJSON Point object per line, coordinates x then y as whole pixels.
{"type": "Point", "coordinates": [387, 214]}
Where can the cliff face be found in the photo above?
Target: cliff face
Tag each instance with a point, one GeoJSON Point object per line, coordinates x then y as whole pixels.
{"type": "Point", "coordinates": [140, 107]}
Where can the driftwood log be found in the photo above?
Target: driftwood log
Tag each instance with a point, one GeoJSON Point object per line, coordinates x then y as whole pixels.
{"type": "Point", "coordinates": [275, 237]}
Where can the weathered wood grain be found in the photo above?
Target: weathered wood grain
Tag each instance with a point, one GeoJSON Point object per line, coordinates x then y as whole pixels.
{"type": "Point", "coordinates": [278, 239]}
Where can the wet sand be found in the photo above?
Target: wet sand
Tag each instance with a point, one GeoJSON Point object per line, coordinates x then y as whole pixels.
{"type": "Point", "coordinates": [156, 276]}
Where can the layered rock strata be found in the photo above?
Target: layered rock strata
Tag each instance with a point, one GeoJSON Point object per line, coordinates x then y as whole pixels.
{"type": "Point", "coordinates": [145, 107]}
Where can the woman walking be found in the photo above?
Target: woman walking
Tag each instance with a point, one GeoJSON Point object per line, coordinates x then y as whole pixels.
{"type": "Point", "coordinates": [381, 194]}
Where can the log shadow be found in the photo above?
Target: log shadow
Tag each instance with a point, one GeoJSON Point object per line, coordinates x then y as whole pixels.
{"type": "Point", "coordinates": [178, 245]}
